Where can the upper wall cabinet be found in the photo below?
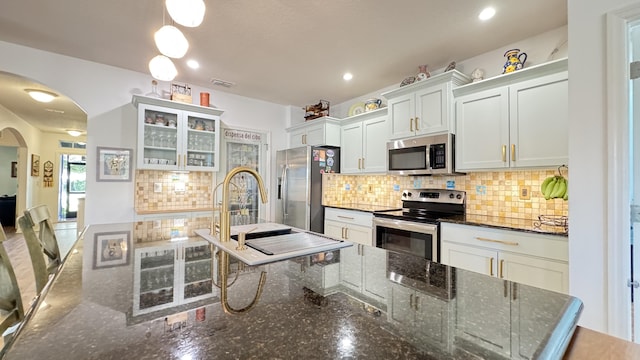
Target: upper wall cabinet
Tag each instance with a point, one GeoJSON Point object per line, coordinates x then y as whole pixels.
{"type": "Point", "coordinates": [364, 139]}
{"type": "Point", "coordinates": [177, 136]}
{"type": "Point", "coordinates": [516, 120]}
{"type": "Point", "coordinates": [424, 107]}
{"type": "Point", "coordinates": [320, 131]}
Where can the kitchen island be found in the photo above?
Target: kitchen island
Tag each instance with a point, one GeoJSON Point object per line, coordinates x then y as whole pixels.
{"type": "Point", "coordinates": [156, 297]}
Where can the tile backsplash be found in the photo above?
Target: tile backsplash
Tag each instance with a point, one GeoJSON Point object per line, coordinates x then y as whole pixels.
{"type": "Point", "coordinates": [196, 194]}
{"type": "Point", "coordinates": [495, 193]}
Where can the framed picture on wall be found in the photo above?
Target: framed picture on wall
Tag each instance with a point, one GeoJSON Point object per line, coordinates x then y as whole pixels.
{"type": "Point", "coordinates": [14, 169]}
{"type": "Point", "coordinates": [114, 164]}
{"type": "Point", "coordinates": [35, 165]}
{"type": "Point", "coordinates": [111, 249]}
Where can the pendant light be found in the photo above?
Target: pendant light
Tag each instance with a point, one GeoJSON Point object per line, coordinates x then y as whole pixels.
{"type": "Point", "coordinates": [162, 68]}
{"type": "Point", "coordinates": [171, 42]}
{"type": "Point", "coordinates": [189, 13]}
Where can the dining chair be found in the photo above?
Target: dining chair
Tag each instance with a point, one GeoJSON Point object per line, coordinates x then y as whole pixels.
{"type": "Point", "coordinates": [40, 269]}
{"type": "Point", "coordinates": [40, 217]}
{"type": "Point", "coordinates": [11, 307]}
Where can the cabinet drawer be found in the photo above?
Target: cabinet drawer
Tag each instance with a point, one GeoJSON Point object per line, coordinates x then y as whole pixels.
{"type": "Point", "coordinates": [542, 245]}
{"type": "Point", "coordinates": [349, 216]}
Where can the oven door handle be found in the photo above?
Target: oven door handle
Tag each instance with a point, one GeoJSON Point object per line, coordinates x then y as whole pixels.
{"type": "Point", "coordinates": [405, 225]}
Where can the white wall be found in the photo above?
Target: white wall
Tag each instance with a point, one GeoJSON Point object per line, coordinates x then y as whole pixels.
{"type": "Point", "coordinates": [104, 92]}
{"type": "Point", "coordinates": [538, 49]}
{"type": "Point", "coordinates": [8, 185]}
{"type": "Point", "coordinates": [588, 158]}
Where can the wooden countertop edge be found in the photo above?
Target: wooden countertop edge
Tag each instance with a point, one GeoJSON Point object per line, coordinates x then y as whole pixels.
{"type": "Point", "coordinates": [589, 344]}
{"type": "Point", "coordinates": [169, 211]}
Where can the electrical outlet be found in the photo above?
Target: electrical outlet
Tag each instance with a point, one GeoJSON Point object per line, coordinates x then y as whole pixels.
{"type": "Point", "coordinates": [157, 187]}
{"type": "Point", "coordinates": [525, 193]}
{"type": "Point", "coordinates": [370, 189]}
{"type": "Point", "coordinates": [180, 187]}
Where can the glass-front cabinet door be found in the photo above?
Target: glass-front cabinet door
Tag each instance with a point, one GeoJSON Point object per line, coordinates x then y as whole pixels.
{"type": "Point", "coordinates": [154, 280]}
{"type": "Point", "coordinates": [198, 271]}
{"type": "Point", "coordinates": [168, 275]}
{"type": "Point", "coordinates": [202, 134]}
{"type": "Point", "coordinates": [160, 134]}
{"type": "Point", "coordinates": [177, 136]}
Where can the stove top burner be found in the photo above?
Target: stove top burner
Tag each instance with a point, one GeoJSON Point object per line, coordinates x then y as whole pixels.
{"type": "Point", "coordinates": [428, 205]}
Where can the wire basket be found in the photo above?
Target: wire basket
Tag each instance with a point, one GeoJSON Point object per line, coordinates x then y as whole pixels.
{"type": "Point", "coordinates": [552, 220]}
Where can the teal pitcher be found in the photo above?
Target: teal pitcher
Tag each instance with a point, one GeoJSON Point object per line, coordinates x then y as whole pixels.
{"type": "Point", "coordinates": [514, 61]}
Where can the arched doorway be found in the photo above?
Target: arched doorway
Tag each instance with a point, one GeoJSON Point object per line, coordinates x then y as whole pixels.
{"type": "Point", "coordinates": [13, 149]}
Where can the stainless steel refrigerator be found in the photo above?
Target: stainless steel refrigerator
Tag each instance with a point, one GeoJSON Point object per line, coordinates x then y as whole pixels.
{"type": "Point", "coordinates": [299, 181]}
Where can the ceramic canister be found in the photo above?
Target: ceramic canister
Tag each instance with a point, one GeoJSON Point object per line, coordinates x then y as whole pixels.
{"type": "Point", "coordinates": [204, 99]}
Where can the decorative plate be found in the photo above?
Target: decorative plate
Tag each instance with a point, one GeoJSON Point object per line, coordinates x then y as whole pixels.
{"type": "Point", "coordinates": [357, 108]}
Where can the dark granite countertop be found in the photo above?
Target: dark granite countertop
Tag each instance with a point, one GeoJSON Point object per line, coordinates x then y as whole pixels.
{"type": "Point", "coordinates": [508, 224]}
{"type": "Point", "coordinates": [404, 308]}
{"type": "Point", "coordinates": [363, 207]}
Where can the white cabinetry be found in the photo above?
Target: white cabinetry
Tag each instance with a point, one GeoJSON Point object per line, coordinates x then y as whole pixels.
{"type": "Point", "coordinates": [424, 315]}
{"type": "Point", "coordinates": [320, 131]}
{"type": "Point", "coordinates": [517, 120]}
{"type": "Point", "coordinates": [364, 139]}
{"type": "Point", "coordinates": [424, 107]}
{"type": "Point", "coordinates": [177, 136]}
{"type": "Point", "coordinates": [167, 275]}
{"type": "Point", "coordinates": [538, 260]}
{"type": "Point", "coordinates": [350, 225]}
{"type": "Point", "coordinates": [364, 270]}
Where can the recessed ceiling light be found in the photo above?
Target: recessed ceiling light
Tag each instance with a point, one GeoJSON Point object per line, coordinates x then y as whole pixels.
{"type": "Point", "coordinates": [487, 13]}
{"type": "Point", "coordinates": [74, 132]}
{"type": "Point", "coordinates": [347, 76]}
{"type": "Point", "coordinates": [193, 64]}
{"type": "Point", "coordinates": [41, 95]}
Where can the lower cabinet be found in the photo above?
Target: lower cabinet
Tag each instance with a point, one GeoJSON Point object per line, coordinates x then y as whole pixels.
{"type": "Point", "coordinates": [171, 274]}
{"type": "Point", "coordinates": [322, 279]}
{"type": "Point", "coordinates": [350, 225]}
{"type": "Point", "coordinates": [496, 315]}
{"type": "Point", "coordinates": [424, 316]}
{"type": "Point", "coordinates": [538, 260]}
{"type": "Point", "coordinates": [364, 270]}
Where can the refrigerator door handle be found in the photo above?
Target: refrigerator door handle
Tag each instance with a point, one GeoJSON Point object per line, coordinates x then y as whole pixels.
{"type": "Point", "coordinates": [284, 191]}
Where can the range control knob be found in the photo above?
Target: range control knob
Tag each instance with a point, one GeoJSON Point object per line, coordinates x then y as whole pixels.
{"type": "Point", "coordinates": [459, 196]}
{"type": "Point", "coordinates": [451, 196]}
{"type": "Point", "coordinates": [407, 194]}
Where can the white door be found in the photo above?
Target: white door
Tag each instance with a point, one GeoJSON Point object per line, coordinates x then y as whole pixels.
{"type": "Point", "coordinates": [634, 193]}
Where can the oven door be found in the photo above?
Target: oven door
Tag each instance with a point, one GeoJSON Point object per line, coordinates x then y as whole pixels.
{"type": "Point", "coordinates": [408, 237]}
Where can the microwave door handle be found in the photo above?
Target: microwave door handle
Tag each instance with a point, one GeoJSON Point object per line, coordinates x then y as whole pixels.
{"type": "Point", "coordinates": [429, 157]}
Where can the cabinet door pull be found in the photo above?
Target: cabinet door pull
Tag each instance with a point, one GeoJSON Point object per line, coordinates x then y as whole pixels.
{"type": "Point", "coordinates": [504, 153]}
{"type": "Point", "coordinates": [411, 124]}
{"type": "Point", "coordinates": [501, 265]}
{"type": "Point", "coordinates": [513, 243]}
{"type": "Point", "coordinates": [359, 163]}
{"type": "Point", "coordinates": [416, 120]}
{"type": "Point", "coordinates": [346, 233]}
{"type": "Point", "coordinates": [416, 303]}
{"type": "Point", "coordinates": [342, 234]}
{"type": "Point", "coordinates": [177, 254]}
{"type": "Point", "coordinates": [304, 139]}
{"type": "Point", "coordinates": [491, 266]}
{"type": "Point", "coordinates": [411, 301]}
{"type": "Point", "coordinates": [513, 152]}
{"type": "Point", "coordinates": [184, 161]}
{"type": "Point", "coordinates": [506, 288]}
{"type": "Point", "coordinates": [362, 163]}
{"type": "Point", "coordinates": [514, 289]}
{"type": "Point", "coordinates": [345, 217]}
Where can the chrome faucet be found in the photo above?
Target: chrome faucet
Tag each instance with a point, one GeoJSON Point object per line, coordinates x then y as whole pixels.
{"type": "Point", "coordinates": [225, 236]}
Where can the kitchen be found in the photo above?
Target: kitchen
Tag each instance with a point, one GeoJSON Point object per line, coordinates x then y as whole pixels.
{"type": "Point", "coordinates": [110, 110]}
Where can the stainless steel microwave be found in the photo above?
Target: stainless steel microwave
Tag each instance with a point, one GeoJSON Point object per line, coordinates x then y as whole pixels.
{"type": "Point", "coordinates": [422, 155]}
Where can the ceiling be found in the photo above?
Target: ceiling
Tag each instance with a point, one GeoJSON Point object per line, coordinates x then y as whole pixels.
{"type": "Point", "coordinates": [289, 52]}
